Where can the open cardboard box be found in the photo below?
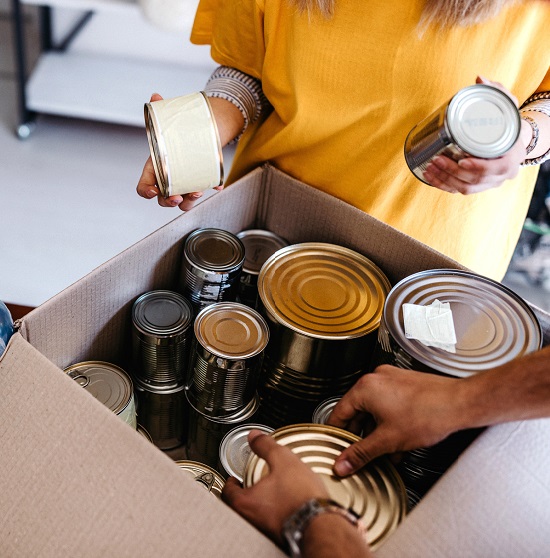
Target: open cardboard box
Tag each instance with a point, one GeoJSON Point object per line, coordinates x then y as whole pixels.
{"type": "Point", "coordinates": [76, 481]}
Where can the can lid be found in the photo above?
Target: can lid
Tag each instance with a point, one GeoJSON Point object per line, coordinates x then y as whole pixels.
{"type": "Point", "coordinates": [108, 383]}
{"type": "Point", "coordinates": [162, 313]}
{"type": "Point", "coordinates": [323, 290]}
{"type": "Point", "coordinates": [231, 330]}
{"type": "Point", "coordinates": [207, 477]}
{"type": "Point", "coordinates": [157, 148]}
{"type": "Point", "coordinates": [375, 493]}
{"type": "Point", "coordinates": [493, 325]}
{"type": "Point", "coordinates": [214, 250]}
{"type": "Point", "coordinates": [235, 451]}
{"type": "Point", "coordinates": [322, 412]}
{"type": "Point", "coordinates": [143, 431]}
{"type": "Point", "coordinates": [259, 245]}
{"type": "Point", "coordinates": [483, 121]}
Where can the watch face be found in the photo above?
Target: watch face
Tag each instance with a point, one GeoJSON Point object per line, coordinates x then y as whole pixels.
{"type": "Point", "coordinates": [375, 494]}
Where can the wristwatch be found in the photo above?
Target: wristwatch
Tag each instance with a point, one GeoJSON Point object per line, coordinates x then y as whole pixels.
{"type": "Point", "coordinates": [295, 525]}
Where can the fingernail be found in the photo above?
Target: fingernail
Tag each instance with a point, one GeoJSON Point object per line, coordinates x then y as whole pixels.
{"type": "Point", "coordinates": [151, 193]}
{"type": "Point", "coordinates": [343, 468]}
{"type": "Point", "coordinates": [196, 195]}
{"type": "Point", "coordinates": [173, 203]}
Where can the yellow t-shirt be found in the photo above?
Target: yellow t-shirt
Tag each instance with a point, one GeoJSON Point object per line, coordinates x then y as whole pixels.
{"type": "Point", "coordinates": [347, 90]}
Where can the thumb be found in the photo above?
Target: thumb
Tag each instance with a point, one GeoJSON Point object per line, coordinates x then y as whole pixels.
{"type": "Point", "coordinates": [360, 453]}
{"type": "Point", "coordinates": [156, 97]}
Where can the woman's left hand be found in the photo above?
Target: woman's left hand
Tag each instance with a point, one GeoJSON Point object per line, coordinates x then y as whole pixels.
{"type": "Point", "coordinates": [472, 175]}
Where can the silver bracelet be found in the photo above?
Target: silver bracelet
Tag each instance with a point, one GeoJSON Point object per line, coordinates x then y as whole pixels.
{"type": "Point", "coordinates": [538, 102]}
{"type": "Point", "coordinates": [535, 136]}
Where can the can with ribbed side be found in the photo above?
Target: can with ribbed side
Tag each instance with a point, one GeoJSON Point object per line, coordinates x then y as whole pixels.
{"type": "Point", "coordinates": [163, 412]}
{"type": "Point", "coordinates": [109, 384]}
{"type": "Point", "coordinates": [479, 121]}
{"type": "Point", "coordinates": [235, 450]}
{"type": "Point", "coordinates": [323, 305]}
{"type": "Point", "coordinates": [211, 266]}
{"type": "Point", "coordinates": [206, 433]}
{"type": "Point", "coordinates": [375, 492]}
{"type": "Point", "coordinates": [206, 476]}
{"type": "Point", "coordinates": [228, 347]}
{"type": "Point", "coordinates": [492, 324]}
{"type": "Point", "coordinates": [259, 245]}
{"type": "Point", "coordinates": [162, 334]}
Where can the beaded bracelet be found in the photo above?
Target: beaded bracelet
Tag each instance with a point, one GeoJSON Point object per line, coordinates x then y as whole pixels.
{"type": "Point", "coordinates": [535, 137]}
{"type": "Point", "coordinates": [538, 102]}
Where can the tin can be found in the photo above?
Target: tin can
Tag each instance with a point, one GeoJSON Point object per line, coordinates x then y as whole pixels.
{"type": "Point", "coordinates": [144, 433]}
{"type": "Point", "coordinates": [206, 433]}
{"type": "Point", "coordinates": [109, 384]}
{"type": "Point", "coordinates": [201, 473]}
{"type": "Point", "coordinates": [375, 493]}
{"type": "Point", "coordinates": [226, 361]}
{"type": "Point", "coordinates": [493, 325]}
{"type": "Point", "coordinates": [323, 305]}
{"type": "Point", "coordinates": [322, 412]}
{"type": "Point", "coordinates": [259, 245]}
{"type": "Point", "coordinates": [235, 450]}
{"type": "Point", "coordinates": [163, 412]}
{"type": "Point", "coordinates": [161, 337]}
{"type": "Point", "coordinates": [184, 143]}
{"type": "Point", "coordinates": [479, 121]}
{"type": "Point", "coordinates": [211, 266]}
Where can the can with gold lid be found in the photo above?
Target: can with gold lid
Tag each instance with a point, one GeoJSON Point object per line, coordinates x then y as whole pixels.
{"type": "Point", "coordinates": [206, 476]}
{"type": "Point", "coordinates": [226, 360]}
{"type": "Point", "coordinates": [161, 337]}
{"type": "Point", "coordinates": [375, 493]}
{"type": "Point", "coordinates": [259, 245]}
{"type": "Point", "coordinates": [323, 305]}
{"type": "Point", "coordinates": [109, 384]}
{"type": "Point", "coordinates": [211, 266]}
{"type": "Point", "coordinates": [235, 450]}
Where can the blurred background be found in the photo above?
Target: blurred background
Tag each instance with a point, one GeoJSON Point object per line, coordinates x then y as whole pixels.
{"type": "Point", "coordinates": [74, 75]}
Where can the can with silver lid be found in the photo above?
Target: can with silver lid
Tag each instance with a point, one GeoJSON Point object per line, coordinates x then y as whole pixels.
{"type": "Point", "coordinates": [229, 341]}
{"type": "Point", "coordinates": [211, 266]}
{"type": "Point", "coordinates": [235, 450]}
{"type": "Point", "coordinates": [492, 325]}
{"type": "Point", "coordinates": [259, 245]}
{"type": "Point", "coordinates": [322, 412]}
{"type": "Point", "coordinates": [109, 384]}
{"type": "Point", "coordinates": [205, 432]}
{"type": "Point", "coordinates": [163, 412]}
{"type": "Point", "coordinates": [479, 121]}
{"type": "Point", "coordinates": [323, 305]}
{"type": "Point", "coordinates": [375, 493]}
{"type": "Point", "coordinates": [161, 337]}
{"type": "Point", "coordinates": [206, 476]}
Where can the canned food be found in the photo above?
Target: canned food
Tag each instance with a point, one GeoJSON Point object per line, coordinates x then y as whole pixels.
{"type": "Point", "coordinates": [259, 245]}
{"type": "Point", "coordinates": [109, 384]}
{"type": "Point", "coordinates": [479, 121]}
{"type": "Point", "coordinates": [492, 324]}
{"type": "Point", "coordinates": [184, 143]}
{"type": "Point", "coordinates": [235, 450]}
{"type": "Point", "coordinates": [201, 473]}
{"type": "Point", "coordinates": [163, 412]}
{"type": "Point", "coordinates": [322, 412]}
{"type": "Point", "coordinates": [227, 357]}
{"type": "Point", "coordinates": [323, 305]}
{"type": "Point", "coordinates": [144, 433]}
{"type": "Point", "coordinates": [211, 266]}
{"type": "Point", "coordinates": [161, 337]}
{"type": "Point", "coordinates": [206, 433]}
{"type": "Point", "coordinates": [375, 493]}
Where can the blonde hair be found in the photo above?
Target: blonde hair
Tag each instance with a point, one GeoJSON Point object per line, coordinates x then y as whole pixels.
{"type": "Point", "coordinates": [445, 13]}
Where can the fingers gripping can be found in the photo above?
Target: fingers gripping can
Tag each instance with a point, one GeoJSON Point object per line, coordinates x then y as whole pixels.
{"type": "Point", "coordinates": [479, 121]}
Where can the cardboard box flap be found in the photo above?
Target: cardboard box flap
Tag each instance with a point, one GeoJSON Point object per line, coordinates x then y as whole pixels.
{"type": "Point", "coordinates": [77, 481]}
{"type": "Point", "coordinates": [494, 501]}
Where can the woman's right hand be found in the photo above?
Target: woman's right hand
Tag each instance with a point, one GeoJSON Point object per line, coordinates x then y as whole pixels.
{"type": "Point", "coordinates": [229, 121]}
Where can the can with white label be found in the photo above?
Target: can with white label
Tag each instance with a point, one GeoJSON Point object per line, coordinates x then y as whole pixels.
{"type": "Point", "coordinates": [479, 121]}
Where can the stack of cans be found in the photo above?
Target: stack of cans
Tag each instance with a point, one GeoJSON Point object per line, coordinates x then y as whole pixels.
{"type": "Point", "coordinates": [323, 304]}
{"type": "Point", "coordinates": [259, 246]}
{"type": "Point", "coordinates": [161, 343]}
{"type": "Point", "coordinates": [211, 267]}
{"type": "Point", "coordinates": [492, 325]}
{"type": "Point", "coordinates": [226, 361]}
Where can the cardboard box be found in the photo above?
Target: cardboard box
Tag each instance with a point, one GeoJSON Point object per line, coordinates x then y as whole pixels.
{"type": "Point", "coordinates": [76, 481]}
